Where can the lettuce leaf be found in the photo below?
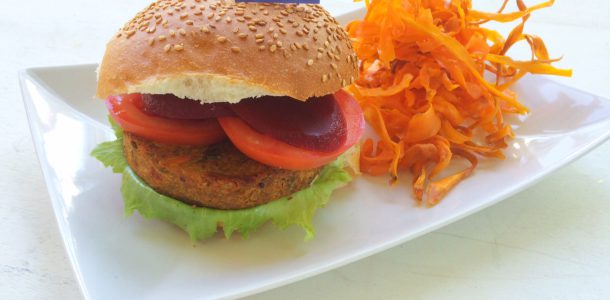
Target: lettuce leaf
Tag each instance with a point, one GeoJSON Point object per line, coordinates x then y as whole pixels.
{"type": "Point", "coordinates": [202, 222]}
{"type": "Point", "coordinates": [111, 153]}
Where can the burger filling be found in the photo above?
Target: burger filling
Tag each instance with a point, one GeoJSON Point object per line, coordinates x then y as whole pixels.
{"type": "Point", "coordinates": [276, 131]}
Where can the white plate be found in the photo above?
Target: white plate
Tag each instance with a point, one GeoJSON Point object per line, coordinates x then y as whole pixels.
{"type": "Point", "coordinates": [125, 258]}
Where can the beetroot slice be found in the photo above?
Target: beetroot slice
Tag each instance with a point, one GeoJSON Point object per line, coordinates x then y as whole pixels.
{"type": "Point", "coordinates": [317, 124]}
{"type": "Point", "coordinates": [172, 107]}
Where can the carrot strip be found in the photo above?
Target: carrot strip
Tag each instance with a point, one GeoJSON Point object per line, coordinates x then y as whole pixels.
{"type": "Point", "coordinates": [438, 189]}
{"type": "Point", "coordinates": [534, 67]}
{"type": "Point", "coordinates": [425, 89]}
{"type": "Point", "coordinates": [508, 17]}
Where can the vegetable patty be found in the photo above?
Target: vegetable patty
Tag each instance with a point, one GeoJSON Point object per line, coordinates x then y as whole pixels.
{"type": "Point", "coordinates": [217, 176]}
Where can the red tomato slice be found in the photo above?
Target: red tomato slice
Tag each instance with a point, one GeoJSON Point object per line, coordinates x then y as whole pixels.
{"type": "Point", "coordinates": [126, 110]}
{"type": "Point", "coordinates": [270, 151]}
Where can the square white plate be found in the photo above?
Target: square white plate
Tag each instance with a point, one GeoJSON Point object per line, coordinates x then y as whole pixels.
{"type": "Point", "coordinates": [125, 258]}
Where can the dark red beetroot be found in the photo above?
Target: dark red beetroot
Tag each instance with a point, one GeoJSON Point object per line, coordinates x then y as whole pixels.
{"type": "Point", "coordinates": [317, 124]}
{"type": "Point", "coordinates": [172, 107]}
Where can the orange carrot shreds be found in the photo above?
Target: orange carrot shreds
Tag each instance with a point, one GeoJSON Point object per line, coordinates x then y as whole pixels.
{"type": "Point", "coordinates": [424, 86]}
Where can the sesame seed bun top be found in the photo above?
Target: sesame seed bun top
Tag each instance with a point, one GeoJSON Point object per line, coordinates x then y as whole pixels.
{"type": "Point", "coordinates": [218, 51]}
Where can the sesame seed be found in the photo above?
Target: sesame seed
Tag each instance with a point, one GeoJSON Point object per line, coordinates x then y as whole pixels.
{"type": "Point", "coordinates": [279, 44]}
{"type": "Point", "coordinates": [324, 78]}
{"type": "Point", "coordinates": [273, 48]}
{"type": "Point", "coordinates": [236, 29]}
{"type": "Point", "coordinates": [258, 41]}
{"type": "Point", "coordinates": [152, 29]}
{"type": "Point", "coordinates": [333, 65]}
{"type": "Point", "coordinates": [242, 35]}
{"type": "Point", "coordinates": [172, 33]}
{"type": "Point", "coordinates": [151, 41]}
{"type": "Point", "coordinates": [182, 31]}
{"type": "Point", "coordinates": [252, 28]}
{"type": "Point", "coordinates": [235, 49]}
{"type": "Point", "coordinates": [162, 38]}
{"type": "Point", "coordinates": [259, 35]}
{"type": "Point", "coordinates": [205, 29]}
{"type": "Point", "coordinates": [221, 39]}
{"type": "Point", "coordinates": [343, 82]}
{"type": "Point", "coordinates": [310, 62]}
{"type": "Point", "coordinates": [167, 48]}
{"type": "Point", "coordinates": [184, 16]}
{"type": "Point", "coordinates": [179, 47]}
{"type": "Point", "coordinates": [261, 48]}
{"type": "Point", "coordinates": [282, 30]}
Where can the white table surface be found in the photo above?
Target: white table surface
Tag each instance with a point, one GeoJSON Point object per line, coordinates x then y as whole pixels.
{"type": "Point", "coordinates": [551, 241]}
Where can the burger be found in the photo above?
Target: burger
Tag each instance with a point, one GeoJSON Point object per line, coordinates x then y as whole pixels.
{"type": "Point", "coordinates": [230, 115]}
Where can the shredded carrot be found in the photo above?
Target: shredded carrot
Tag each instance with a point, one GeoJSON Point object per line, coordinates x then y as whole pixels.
{"type": "Point", "coordinates": [435, 86]}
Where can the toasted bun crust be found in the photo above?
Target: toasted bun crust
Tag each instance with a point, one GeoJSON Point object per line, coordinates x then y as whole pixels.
{"type": "Point", "coordinates": [219, 51]}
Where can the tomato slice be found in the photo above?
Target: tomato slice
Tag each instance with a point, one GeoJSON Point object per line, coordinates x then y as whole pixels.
{"type": "Point", "coordinates": [269, 151]}
{"type": "Point", "coordinates": [126, 110]}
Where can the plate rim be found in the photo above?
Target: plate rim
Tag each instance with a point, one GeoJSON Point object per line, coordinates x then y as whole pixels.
{"type": "Point", "coordinates": [61, 222]}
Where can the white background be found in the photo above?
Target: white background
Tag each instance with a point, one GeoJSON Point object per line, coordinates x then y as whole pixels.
{"type": "Point", "coordinates": [550, 241]}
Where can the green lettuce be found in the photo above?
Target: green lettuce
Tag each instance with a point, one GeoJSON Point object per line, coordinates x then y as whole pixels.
{"type": "Point", "coordinates": [201, 222]}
